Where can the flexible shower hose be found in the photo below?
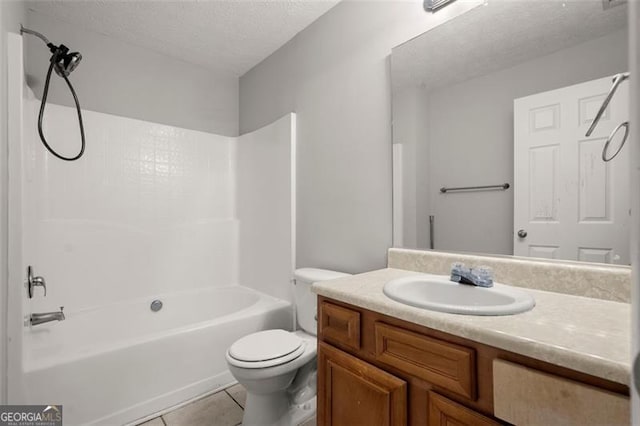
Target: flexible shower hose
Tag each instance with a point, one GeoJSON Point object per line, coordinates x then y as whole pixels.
{"type": "Point", "coordinates": [41, 115]}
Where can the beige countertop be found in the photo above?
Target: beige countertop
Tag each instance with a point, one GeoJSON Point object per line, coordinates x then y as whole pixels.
{"type": "Point", "coordinates": [584, 334]}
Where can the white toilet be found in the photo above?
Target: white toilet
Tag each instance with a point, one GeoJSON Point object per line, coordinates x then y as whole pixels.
{"type": "Point", "coordinates": [278, 367]}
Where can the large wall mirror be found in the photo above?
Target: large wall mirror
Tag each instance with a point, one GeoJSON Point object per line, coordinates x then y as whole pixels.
{"type": "Point", "coordinates": [503, 96]}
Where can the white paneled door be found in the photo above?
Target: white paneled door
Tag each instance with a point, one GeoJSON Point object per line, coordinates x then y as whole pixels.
{"type": "Point", "coordinates": [568, 202]}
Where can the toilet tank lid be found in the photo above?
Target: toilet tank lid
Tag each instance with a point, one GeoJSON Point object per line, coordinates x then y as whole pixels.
{"type": "Point", "coordinates": [313, 275]}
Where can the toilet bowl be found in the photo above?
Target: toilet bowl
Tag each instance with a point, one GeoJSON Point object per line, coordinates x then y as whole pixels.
{"type": "Point", "coordinates": [271, 397]}
{"type": "Point", "coordinates": [278, 367]}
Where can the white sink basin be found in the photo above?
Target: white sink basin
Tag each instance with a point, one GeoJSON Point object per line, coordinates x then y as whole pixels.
{"type": "Point", "coordinates": [437, 293]}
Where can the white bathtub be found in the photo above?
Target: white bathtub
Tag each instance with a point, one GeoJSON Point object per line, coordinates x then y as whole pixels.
{"type": "Point", "coordinates": [122, 362]}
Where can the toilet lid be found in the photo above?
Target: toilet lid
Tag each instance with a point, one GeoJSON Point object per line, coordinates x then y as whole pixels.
{"type": "Point", "coordinates": [265, 345]}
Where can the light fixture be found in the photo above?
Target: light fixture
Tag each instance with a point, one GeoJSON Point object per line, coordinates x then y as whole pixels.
{"type": "Point", "coordinates": [433, 5]}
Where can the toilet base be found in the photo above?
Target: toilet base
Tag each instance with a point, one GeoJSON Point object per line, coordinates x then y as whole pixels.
{"type": "Point", "coordinates": [276, 410]}
{"type": "Point", "coordinates": [282, 395]}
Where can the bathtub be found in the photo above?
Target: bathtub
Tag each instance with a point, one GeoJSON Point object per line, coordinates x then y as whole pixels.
{"type": "Point", "coordinates": [119, 363]}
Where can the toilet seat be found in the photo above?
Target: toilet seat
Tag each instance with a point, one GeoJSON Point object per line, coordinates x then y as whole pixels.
{"type": "Point", "coordinates": [265, 349]}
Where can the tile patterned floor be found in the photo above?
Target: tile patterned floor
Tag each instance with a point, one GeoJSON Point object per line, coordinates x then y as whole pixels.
{"type": "Point", "coordinates": [223, 408]}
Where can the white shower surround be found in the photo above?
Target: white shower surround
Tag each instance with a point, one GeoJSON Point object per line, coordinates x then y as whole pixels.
{"type": "Point", "coordinates": [148, 209]}
{"type": "Point", "coordinates": [150, 212]}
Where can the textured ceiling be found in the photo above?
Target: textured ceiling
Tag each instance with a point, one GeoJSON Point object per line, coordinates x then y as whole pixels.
{"type": "Point", "coordinates": [498, 35]}
{"type": "Point", "coordinates": [228, 36]}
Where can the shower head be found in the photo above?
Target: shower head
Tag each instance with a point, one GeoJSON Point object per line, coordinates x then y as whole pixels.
{"type": "Point", "coordinates": [64, 62]}
{"type": "Point", "coordinates": [68, 63]}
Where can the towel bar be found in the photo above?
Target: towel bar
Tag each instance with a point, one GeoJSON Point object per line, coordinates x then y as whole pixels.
{"type": "Point", "coordinates": [504, 187]}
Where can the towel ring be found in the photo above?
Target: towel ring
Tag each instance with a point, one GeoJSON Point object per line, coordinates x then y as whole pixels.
{"type": "Point", "coordinates": [624, 139]}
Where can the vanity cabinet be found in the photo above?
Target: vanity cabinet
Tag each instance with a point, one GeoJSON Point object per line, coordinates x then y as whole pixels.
{"type": "Point", "coordinates": [356, 392]}
{"type": "Point", "coordinates": [378, 370]}
{"type": "Point", "coordinates": [444, 412]}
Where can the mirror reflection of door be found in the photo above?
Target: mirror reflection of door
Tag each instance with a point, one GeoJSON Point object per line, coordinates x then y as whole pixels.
{"type": "Point", "coordinates": [568, 202]}
{"type": "Point", "coordinates": [454, 123]}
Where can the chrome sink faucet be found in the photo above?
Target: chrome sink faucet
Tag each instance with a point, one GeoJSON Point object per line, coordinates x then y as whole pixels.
{"type": "Point", "coordinates": [43, 317]}
{"type": "Point", "coordinates": [482, 276]}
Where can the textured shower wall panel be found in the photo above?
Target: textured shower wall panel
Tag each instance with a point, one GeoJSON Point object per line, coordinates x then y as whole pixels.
{"type": "Point", "coordinates": [266, 207]}
{"type": "Point", "coordinates": [148, 209]}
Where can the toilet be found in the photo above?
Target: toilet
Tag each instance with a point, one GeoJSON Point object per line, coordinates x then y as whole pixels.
{"type": "Point", "coordinates": [278, 367]}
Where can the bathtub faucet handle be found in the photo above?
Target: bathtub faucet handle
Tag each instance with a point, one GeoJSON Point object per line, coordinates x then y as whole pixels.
{"type": "Point", "coordinates": [33, 282]}
{"type": "Point", "coordinates": [40, 282]}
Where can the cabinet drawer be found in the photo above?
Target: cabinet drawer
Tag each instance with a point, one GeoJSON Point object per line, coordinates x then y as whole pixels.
{"type": "Point", "coordinates": [443, 411]}
{"type": "Point", "coordinates": [524, 396]}
{"type": "Point", "coordinates": [339, 325]}
{"type": "Point", "coordinates": [447, 365]}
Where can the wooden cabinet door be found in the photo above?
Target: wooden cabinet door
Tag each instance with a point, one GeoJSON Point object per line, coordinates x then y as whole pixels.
{"type": "Point", "coordinates": [352, 392]}
{"type": "Point", "coordinates": [444, 412]}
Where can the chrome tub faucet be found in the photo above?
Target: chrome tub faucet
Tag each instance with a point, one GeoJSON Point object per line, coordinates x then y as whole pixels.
{"type": "Point", "coordinates": [43, 317]}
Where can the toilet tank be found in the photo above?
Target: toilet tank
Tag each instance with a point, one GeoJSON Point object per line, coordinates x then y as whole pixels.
{"type": "Point", "coordinates": [305, 300]}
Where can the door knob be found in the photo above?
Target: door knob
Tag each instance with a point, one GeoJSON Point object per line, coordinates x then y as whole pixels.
{"type": "Point", "coordinates": [522, 233]}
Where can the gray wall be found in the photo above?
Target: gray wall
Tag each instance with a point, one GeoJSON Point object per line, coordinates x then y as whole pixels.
{"type": "Point", "coordinates": [470, 141]}
{"type": "Point", "coordinates": [11, 14]}
{"type": "Point", "coordinates": [335, 76]}
{"type": "Point", "coordinates": [121, 79]}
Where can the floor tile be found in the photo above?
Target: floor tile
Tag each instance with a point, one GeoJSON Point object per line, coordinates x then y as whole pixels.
{"type": "Point", "coordinates": [238, 393]}
{"type": "Point", "coordinates": [153, 422]}
{"type": "Point", "coordinates": [215, 410]}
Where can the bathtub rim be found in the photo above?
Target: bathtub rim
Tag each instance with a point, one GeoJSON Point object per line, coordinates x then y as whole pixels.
{"type": "Point", "coordinates": [264, 303]}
